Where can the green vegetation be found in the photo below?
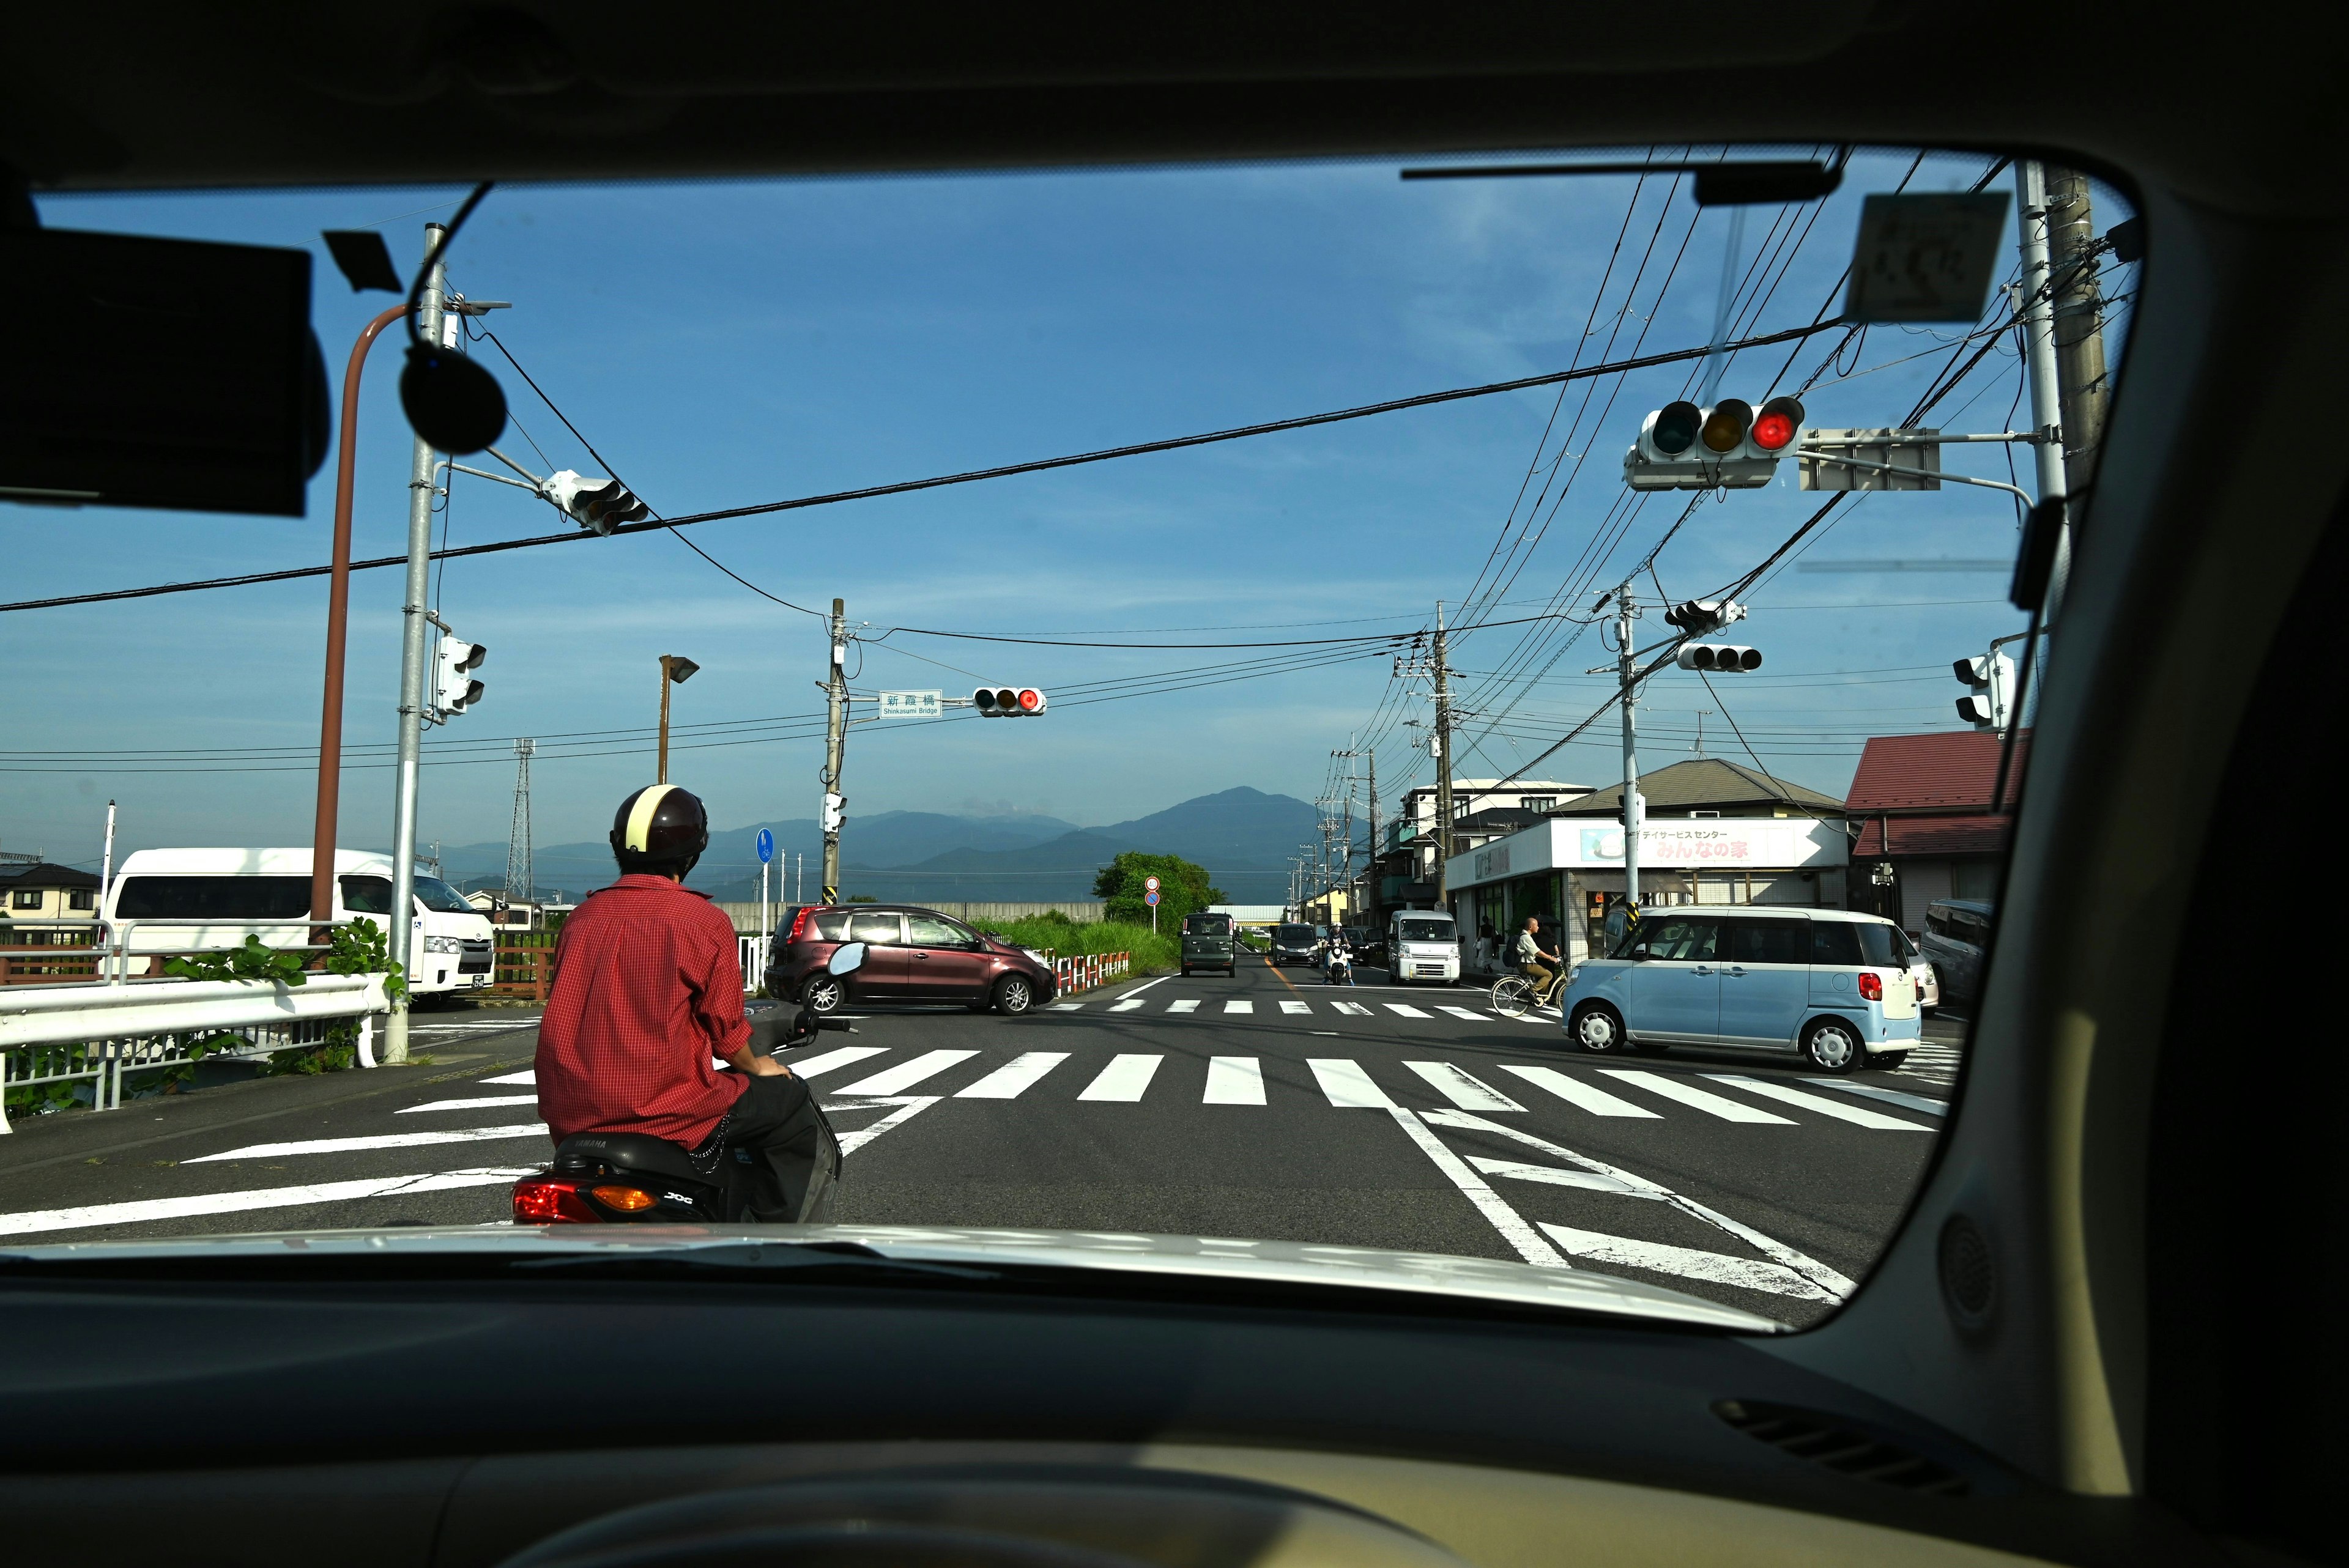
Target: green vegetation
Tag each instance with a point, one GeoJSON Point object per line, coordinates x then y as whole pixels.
{"type": "Point", "coordinates": [1184, 889]}
{"type": "Point", "coordinates": [1064, 938]}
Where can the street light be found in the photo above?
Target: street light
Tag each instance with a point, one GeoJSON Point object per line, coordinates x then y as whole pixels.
{"type": "Point", "coordinates": [675, 670]}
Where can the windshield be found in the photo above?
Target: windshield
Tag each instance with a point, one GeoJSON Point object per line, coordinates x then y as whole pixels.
{"type": "Point", "coordinates": [1290, 517]}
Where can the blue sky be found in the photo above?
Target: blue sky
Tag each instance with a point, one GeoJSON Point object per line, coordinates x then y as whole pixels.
{"type": "Point", "coordinates": [727, 342]}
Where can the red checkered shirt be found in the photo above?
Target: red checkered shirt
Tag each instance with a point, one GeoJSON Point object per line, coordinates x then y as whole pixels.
{"type": "Point", "coordinates": [647, 989]}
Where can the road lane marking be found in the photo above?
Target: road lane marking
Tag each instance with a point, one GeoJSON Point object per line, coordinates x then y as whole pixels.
{"type": "Point", "coordinates": [1353, 1009]}
{"type": "Point", "coordinates": [1126, 1007]}
{"type": "Point", "coordinates": [1857, 1115]}
{"type": "Point", "coordinates": [1016, 1077]}
{"type": "Point", "coordinates": [1234, 1081]}
{"type": "Point", "coordinates": [1066, 1006]}
{"type": "Point", "coordinates": [905, 1075]}
{"type": "Point", "coordinates": [375, 1140]}
{"type": "Point", "coordinates": [1473, 1017]}
{"type": "Point", "coordinates": [1550, 1175]}
{"type": "Point", "coordinates": [1463, 1088]}
{"type": "Point", "coordinates": [1836, 1285]}
{"type": "Point", "coordinates": [1126, 1079]}
{"type": "Point", "coordinates": [1513, 1226]}
{"type": "Point", "coordinates": [1146, 985]}
{"type": "Point", "coordinates": [1688, 1094]}
{"type": "Point", "coordinates": [908, 1108]}
{"type": "Point", "coordinates": [527, 1075]}
{"type": "Point", "coordinates": [1891, 1096]}
{"type": "Point", "coordinates": [1238, 1006]}
{"type": "Point", "coordinates": [1188, 1005]}
{"type": "Point", "coordinates": [1348, 1087]}
{"type": "Point", "coordinates": [487, 1099]}
{"type": "Point", "coordinates": [143, 1211]}
{"type": "Point", "coordinates": [1407, 1009]}
{"type": "Point", "coordinates": [1288, 1007]}
{"type": "Point", "coordinates": [1688, 1262]}
{"type": "Point", "coordinates": [1575, 1091]}
{"type": "Point", "coordinates": [847, 1056]}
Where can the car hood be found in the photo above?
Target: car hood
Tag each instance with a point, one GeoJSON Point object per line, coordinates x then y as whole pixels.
{"type": "Point", "coordinates": [1270, 1263]}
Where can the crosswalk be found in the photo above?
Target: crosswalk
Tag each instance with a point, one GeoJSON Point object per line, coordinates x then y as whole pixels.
{"type": "Point", "coordinates": [1196, 1008]}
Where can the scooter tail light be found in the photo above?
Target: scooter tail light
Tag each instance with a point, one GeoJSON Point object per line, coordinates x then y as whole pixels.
{"type": "Point", "coordinates": [627, 1199]}
{"type": "Point", "coordinates": [546, 1200]}
{"type": "Point", "coordinates": [1871, 986]}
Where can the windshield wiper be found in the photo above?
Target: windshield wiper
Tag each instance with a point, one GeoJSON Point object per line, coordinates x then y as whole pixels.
{"type": "Point", "coordinates": [757, 1257]}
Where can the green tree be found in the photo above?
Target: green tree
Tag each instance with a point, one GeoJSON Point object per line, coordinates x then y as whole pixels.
{"type": "Point", "coordinates": [1183, 888]}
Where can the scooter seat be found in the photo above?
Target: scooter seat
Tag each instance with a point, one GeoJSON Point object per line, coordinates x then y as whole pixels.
{"type": "Point", "coordinates": [626, 1151]}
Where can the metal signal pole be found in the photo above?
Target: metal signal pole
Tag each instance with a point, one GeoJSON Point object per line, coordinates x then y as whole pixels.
{"type": "Point", "coordinates": [835, 702]}
{"type": "Point", "coordinates": [1627, 669]}
{"type": "Point", "coordinates": [2038, 314]}
{"type": "Point", "coordinates": [1442, 760]}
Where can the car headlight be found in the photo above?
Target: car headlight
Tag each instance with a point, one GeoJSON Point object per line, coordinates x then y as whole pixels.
{"type": "Point", "coordinates": [443, 944]}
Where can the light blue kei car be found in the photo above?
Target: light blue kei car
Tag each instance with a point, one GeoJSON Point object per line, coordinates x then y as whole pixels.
{"type": "Point", "coordinates": [1826, 984]}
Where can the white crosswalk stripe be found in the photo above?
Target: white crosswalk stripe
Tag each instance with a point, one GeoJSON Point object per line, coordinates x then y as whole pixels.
{"type": "Point", "coordinates": [1461, 1013]}
{"type": "Point", "coordinates": [1858, 1116]}
{"type": "Point", "coordinates": [1690, 1095]}
{"type": "Point", "coordinates": [1575, 1091]}
{"type": "Point", "coordinates": [1016, 1079]}
{"type": "Point", "coordinates": [847, 1056]}
{"type": "Point", "coordinates": [1295, 1008]}
{"type": "Point", "coordinates": [1128, 1006]}
{"type": "Point", "coordinates": [374, 1140]}
{"type": "Point", "coordinates": [1348, 1087]}
{"type": "Point", "coordinates": [1189, 1005]}
{"type": "Point", "coordinates": [1234, 1081]}
{"type": "Point", "coordinates": [475, 1104]}
{"type": "Point", "coordinates": [1066, 1006]}
{"type": "Point", "coordinates": [1557, 1176]}
{"type": "Point", "coordinates": [1126, 1079]}
{"type": "Point", "coordinates": [1236, 1005]}
{"type": "Point", "coordinates": [905, 1075]}
{"type": "Point", "coordinates": [1463, 1088]}
{"type": "Point", "coordinates": [527, 1075]}
{"type": "Point", "coordinates": [1352, 1009]}
{"type": "Point", "coordinates": [1891, 1096]}
{"type": "Point", "coordinates": [1404, 1008]}
{"type": "Point", "coordinates": [148, 1209]}
{"type": "Point", "coordinates": [1688, 1262]}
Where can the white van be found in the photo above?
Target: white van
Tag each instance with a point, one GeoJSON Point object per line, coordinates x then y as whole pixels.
{"type": "Point", "coordinates": [1422, 944]}
{"type": "Point", "coordinates": [166, 900]}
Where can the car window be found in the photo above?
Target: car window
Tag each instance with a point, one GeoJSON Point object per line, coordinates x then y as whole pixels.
{"type": "Point", "coordinates": [366, 896]}
{"type": "Point", "coordinates": [832, 926]}
{"type": "Point", "coordinates": [1834, 942]}
{"type": "Point", "coordinates": [1207, 925]}
{"type": "Point", "coordinates": [441, 897]}
{"type": "Point", "coordinates": [1681, 937]}
{"type": "Point", "coordinates": [880, 930]}
{"type": "Point", "coordinates": [931, 931]}
{"type": "Point", "coordinates": [1768, 941]}
{"type": "Point", "coordinates": [1937, 921]}
{"type": "Point", "coordinates": [1296, 933]}
{"type": "Point", "coordinates": [1967, 926]}
{"type": "Point", "coordinates": [213, 898]}
{"type": "Point", "coordinates": [1881, 944]}
{"type": "Point", "coordinates": [1425, 930]}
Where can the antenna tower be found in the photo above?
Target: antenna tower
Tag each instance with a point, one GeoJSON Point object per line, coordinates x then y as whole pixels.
{"type": "Point", "coordinates": [520, 880]}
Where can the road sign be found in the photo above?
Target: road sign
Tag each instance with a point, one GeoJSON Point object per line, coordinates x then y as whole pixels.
{"type": "Point", "coordinates": [910, 703]}
{"type": "Point", "coordinates": [1150, 884]}
{"type": "Point", "coordinates": [1151, 897]}
{"type": "Point", "coordinates": [766, 845]}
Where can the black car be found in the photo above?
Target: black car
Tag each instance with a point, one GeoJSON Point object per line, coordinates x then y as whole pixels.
{"type": "Point", "coordinates": [1210, 941]}
{"type": "Point", "coordinates": [1296, 945]}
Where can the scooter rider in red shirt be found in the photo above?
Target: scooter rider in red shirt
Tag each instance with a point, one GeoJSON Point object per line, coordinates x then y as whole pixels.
{"type": "Point", "coordinates": [647, 989]}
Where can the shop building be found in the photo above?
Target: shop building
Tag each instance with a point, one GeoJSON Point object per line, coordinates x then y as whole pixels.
{"type": "Point", "coordinates": [1919, 808]}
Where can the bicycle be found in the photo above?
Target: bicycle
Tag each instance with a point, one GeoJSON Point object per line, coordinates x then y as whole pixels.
{"type": "Point", "coordinates": [1513, 998]}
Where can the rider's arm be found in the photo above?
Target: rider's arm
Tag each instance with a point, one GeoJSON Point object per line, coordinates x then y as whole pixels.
{"type": "Point", "coordinates": [746, 1060]}
{"type": "Point", "coordinates": [719, 1007]}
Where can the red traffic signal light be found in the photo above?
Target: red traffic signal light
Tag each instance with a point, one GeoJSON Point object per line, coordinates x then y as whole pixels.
{"type": "Point", "coordinates": [1008, 702]}
{"type": "Point", "coordinates": [1777, 425]}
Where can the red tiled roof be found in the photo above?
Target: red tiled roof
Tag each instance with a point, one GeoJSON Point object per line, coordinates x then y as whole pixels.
{"type": "Point", "coordinates": [1930, 772]}
{"type": "Point", "coordinates": [1932, 836]}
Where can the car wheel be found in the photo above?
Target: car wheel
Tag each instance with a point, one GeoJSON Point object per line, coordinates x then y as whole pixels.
{"type": "Point", "coordinates": [1186, 972]}
{"type": "Point", "coordinates": [1014, 996]}
{"type": "Point", "coordinates": [1598, 1028]}
{"type": "Point", "coordinates": [1832, 1046]}
{"type": "Point", "coordinates": [824, 995]}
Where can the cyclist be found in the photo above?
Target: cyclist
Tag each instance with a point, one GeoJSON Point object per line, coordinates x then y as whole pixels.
{"type": "Point", "coordinates": [647, 989]}
{"type": "Point", "coordinates": [1530, 953]}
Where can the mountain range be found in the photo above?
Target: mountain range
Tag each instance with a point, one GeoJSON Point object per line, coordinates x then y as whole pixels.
{"type": "Point", "coordinates": [1244, 837]}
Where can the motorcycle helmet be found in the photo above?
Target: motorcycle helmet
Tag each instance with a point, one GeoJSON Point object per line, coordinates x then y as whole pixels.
{"type": "Point", "coordinates": [661, 831]}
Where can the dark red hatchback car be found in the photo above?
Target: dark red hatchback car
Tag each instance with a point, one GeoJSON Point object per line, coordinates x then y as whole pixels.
{"type": "Point", "coordinates": [911, 956]}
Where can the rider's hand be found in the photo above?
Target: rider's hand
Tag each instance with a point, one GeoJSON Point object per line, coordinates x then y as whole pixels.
{"type": "Point", "coordinates": [750, 1061]}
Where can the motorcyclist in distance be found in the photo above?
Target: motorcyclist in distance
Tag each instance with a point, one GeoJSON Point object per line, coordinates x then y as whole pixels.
{"type": "Point", "coordinates": [648, 989]}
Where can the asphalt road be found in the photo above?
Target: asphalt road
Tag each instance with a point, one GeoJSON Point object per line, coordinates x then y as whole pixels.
{"type": "Point", "coordinates": [1263, 1105]}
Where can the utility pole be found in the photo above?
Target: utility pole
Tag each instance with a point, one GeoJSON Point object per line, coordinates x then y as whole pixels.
{"type": "Point", "coordinates": [106, 865]}
{"type": "Point", "coordinates": [1443, 761]}
{"type": "Point", "coordinates": [2038, 313]}
{"type": "Point", "coordinates": [835, 703]}
{"type": "Point", "coordinates": [1626, 667]}
{"type": "Point", "coordinates": [2079, 313]}
{"type": "Point", "coordinates": [430, 316]}
{"type": "Point", "coordinates": [1371, 883]}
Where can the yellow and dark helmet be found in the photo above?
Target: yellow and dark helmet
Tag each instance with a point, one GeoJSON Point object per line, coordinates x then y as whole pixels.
{"type": "Point", "coordinates": [661, 829]}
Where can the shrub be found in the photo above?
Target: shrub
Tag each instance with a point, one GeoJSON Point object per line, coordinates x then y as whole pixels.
{"type": "Point", "coordinates": [1064, 938]}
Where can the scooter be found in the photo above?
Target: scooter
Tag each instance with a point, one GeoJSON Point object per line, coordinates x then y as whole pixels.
{"type": "Point", "coordinates": [633, 1178]}
{"type": "Point", "coordinates": [1342, 968]}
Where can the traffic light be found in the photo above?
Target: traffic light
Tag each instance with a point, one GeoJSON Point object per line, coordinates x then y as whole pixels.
{"type": "Point", "coordinates": [1718, 658]}
{"type": "Point", "coordinates": [599, 504]}
{"type": "Point", "coordinates": [1698, 616]}
{"type": "Point", "coordinates": [1007, 702]}
{"type": "Point", "coordinates": [833, 805]}
{"type": "Point", "coordinates": [1730, 446]}
{"type": "Point", "coordinates": [454, 689]}
{"type": "Point", "coordinates": [1992, 677]}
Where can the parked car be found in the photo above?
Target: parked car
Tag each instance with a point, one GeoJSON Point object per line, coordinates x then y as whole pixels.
{"type": "Point", "coordinates": [1957, 936]}
{"type": "Point", "coordinates": [1210, 941]}
{"type": "Point", "coordinates": [1422, 944]}
{"type": "Point", "coordinates": [1829, 986]}
{"type": "Point", "coordinates": [1296, 945]}
{"type": "Point", "coordinates": [912, 956]}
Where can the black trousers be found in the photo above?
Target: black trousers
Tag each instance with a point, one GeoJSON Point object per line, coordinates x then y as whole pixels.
{"type": "Point", "coordinates": [783, 1160]}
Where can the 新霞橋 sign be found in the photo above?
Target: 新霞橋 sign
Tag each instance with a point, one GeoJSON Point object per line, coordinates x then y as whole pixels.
{"type": "Point", "coordinates": [1702, 843]}
{"type": "Point", "coordinates": [910, 703]}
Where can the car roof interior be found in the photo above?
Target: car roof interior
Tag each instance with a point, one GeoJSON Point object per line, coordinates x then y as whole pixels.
{"type": "Point", "coordinates": [2127, 1392]}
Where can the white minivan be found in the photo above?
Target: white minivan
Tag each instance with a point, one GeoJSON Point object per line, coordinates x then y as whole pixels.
{"type": "Point", "coordinates": [1422, 944]}
{"type": "Point", "coordinates": [165, 901]}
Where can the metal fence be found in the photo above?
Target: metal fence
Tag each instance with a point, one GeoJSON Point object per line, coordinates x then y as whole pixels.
{"type": "Point", "coordinates": [103, 1064]}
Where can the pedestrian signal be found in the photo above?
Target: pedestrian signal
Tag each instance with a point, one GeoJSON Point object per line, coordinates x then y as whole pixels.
{"type": "Point", "coordinates": [454, 689]}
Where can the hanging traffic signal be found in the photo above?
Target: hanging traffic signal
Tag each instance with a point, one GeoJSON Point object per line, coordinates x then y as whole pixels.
{"type": "Point", "coordinates": [599, 504]}
{"type": "Point", "coordinates": [1699, 617]}
{"type": "Point", "coordinates": [1718, 658]}
{"type": "Point", "coordinates": [1992, 677]}
{"type": "Point", "coordinates": [1730, 446]}
{"type": "Point", "coordinates": [454, 689]}
{"type": "Point", "coordinates": [1007, 702]}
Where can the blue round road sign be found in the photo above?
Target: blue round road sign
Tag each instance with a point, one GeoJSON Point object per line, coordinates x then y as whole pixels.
{"type": "Point", "coordinates": [1149, 898]}
{"type": "Point", "coordinates": [766, 845]}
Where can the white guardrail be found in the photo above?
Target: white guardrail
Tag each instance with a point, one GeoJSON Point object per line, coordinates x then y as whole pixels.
{"type": "Point", "coordinates": [55, 1034]}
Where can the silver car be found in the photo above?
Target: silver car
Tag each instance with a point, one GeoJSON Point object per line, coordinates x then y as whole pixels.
{"type": "Point", "coordinates": [1957, 936]}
